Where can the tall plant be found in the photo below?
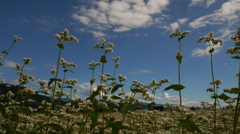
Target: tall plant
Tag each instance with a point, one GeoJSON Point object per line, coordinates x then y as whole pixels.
{"type": "Point", "coordinates": [211, 43]}
{"type": "Point", "coordinates": [236, 50]}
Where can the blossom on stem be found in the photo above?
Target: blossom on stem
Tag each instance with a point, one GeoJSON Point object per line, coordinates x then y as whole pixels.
{"type": "Point", "coordinates": [27, 60]}
{"type": "Point", "coordinates": [16, 38]}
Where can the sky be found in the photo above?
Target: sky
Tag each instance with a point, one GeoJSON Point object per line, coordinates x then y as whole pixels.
{"type": "Point", "coordinates": [139, 29]}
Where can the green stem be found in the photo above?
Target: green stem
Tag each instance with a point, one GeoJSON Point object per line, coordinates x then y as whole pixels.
{"type": "Point", "coordinates": [53, 91]}
{"type": "Point", "coordinates": [7, 52]}
{"type": "Point", "coordinates": [214, 90]}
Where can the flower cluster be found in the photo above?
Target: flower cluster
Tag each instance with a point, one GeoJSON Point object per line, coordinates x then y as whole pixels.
{"type": "Point", "coordinates": [66, 64]}
{"type": "Point", "coordinates": [178, 33]}
{"type": "Point", "coordinates": [16, 38]}
{"type": "Point", "coordinates": [94, 64]}
{"type": "Point", "coordinates": [27, 60]}
{"type": "Point", "coordinates": [217, 82]}
{"type": "Point", "coordinates": [116, 59]}
{"type": "Point", "coordinates": [65, 36]}
{"type": "Point", "coordinates": [209, 37]}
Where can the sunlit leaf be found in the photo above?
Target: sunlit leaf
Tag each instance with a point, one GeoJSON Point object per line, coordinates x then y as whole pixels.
{"type": "Point", "coordinates": [115, 97]}
{"type": "Point", "coordinates": [224, 97]}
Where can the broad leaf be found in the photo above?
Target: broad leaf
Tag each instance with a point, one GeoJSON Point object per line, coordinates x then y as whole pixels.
{"type": "Point", "coordinates": [181, 37]}
{"type": "Point", "coordinates": [224, 97]}
{"type": "Point", "coordinates": [236, 57]}
{"type": "Point", "coordinates": [93, 116]}
{"type": "Point", "coordinates": [234, 90]}
{"type": "Point", "coordinates": [115, 97]}
{"type": "Point", "coordinates": [126, 108]}
{"type": "Point", "coordinates": [53, 79]}
{"type": "Point", "coordinates": [176, 87]}
{"type": "Point", "coordinates": [115, 88]}
{"type": "Point", "coordinates": [60, 45]}
{"type": "Point", "coordinates": [103, 59]}
{"type": "Point", "coordinates": [68, 70]}
{"type": "Point", "coordinates": [211, 50]}
{"type": "Point", "coordinates": [189, 125]}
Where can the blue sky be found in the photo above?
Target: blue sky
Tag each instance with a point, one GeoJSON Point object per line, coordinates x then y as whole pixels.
{"type": "Point", "coordinates": [140, 32]}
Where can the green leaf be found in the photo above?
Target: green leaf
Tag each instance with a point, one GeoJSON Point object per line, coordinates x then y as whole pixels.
{"type": "Point", "coordinates": [115, 88]}
{"type": "Point", "coordinates": [224, 97]}
{"type": "Point", "coordinates": [1, 64]}
{"type": "Point", "coordinates": [68, 70]}
{"type": "Point", "coordinates": [189, 125]}
{"type": "Point", "coordinates": [91, 68]}
{"type": "Point", "coordinates": [176, 87]}
{"type": "Point", "coordinates": [234, 90]}
{"type": "Point", "coordinates": [2, 109]}
{"type": "Point", "coordinates": [54, 126]}
{"type": "Point", "coordinates": [115, 97]}
{"type": "Point", "coordinates": [214, 96]}
{"type": "Point", "coordinates": [135, 90]}
{"type": "Point", "coordinates": [181, 37]}
{"type": "Point", "coordinates": [179, 59]}
{"type": "Point", "coordinates": [211, 50]}
{"type": "Point", "coordinates": [151, 104]}
{"type": "Point", "coordinates": [126, 108]}
{"type": "Point", "coordinates": [60, 45]}
{"type": "Point", "coordinates": [68, 87]}
{"type": "Point", "coordinates": [93, 116]}
{"type": "Point", "coordinates": [236, 48]}
{"type": "Point", "coordinates": [25, 111]}
{"type": "Point", "coordinates": [111, 79]}
{"type": "Point", "coordinates": [103, 59]}
{"type": "Point", "coordinates": [53, 79]}
{"type": "Point", "coordinates": [236, 57]}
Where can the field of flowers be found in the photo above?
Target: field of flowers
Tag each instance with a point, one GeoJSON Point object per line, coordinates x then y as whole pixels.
{"type": "Point", "coordinates": [98, 114]}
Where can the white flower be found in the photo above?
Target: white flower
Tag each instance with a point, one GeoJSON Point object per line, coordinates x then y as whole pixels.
{"type": "Point", "coordinates": [102, 40]}
{"type": "Point", "coordinates": [53, 71]}
{"type": "Point", "coordinates": [16, 38]}
{"type": "Point", "coordinates": [27, 60]}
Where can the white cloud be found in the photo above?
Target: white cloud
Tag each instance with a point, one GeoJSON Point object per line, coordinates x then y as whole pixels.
{"type": "Point", "coordinates": [228, 13]}
{"type": "Point", "coordinates": [172, 99]}
{"type": "Point", "coordinates": [29, 68]}
{"type": "Point", "coordinates": [201, 3]}
{"type": "Point", "coordinates": [195, 2]}
{"type": "Point", "coordinates": [86, 88]}
{"type": "Point", "coordinates": [210, 2]}
{"type": "Point", "coordinates": [120, 16]}
{"type": "Point", "coordinates": [97, 34]}
{"type": "Point", "coordinates": [199, 52]}
{"type": "Point", "coordinates": [9, 64]}
{"type": "Point", "coordinates": [174, 26]}
{"type": "Point", "coordinates": [121, 29]}
{"type": "Point", "coordinates": [183, 20]}
{"type": "Point", "coordinates": [83, 19]}
{"type": "Point", "coordinates": [190, 103]}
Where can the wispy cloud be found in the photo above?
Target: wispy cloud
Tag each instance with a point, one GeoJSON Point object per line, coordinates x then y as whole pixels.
{"type": "Point", "coordinates": [29, 68]}
{"type": "Point", "coordinates": [206, 3]}
{"type": "Point", "coordinates": [51, 65]}
{"type": "Point", "coordinates": [183, 20]}
{"type": "Point", "coordinates": [141, 71]}
{"type": "Point", "coordinates": [199, 52]}
{"type": "Point", "coordinates": [119, 16]}
{"type": "Point", "coordinates": [228, 13]}
{"type": "Point", "coordinates": [9, 63]}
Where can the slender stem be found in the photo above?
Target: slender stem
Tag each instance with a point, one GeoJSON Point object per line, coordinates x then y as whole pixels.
{"type": "Point", "coordinates": [214, 90]}
{"type": "Point", "coordinates": [53, 91]}
{"type": "Point", "coordinates": [7, 52]}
